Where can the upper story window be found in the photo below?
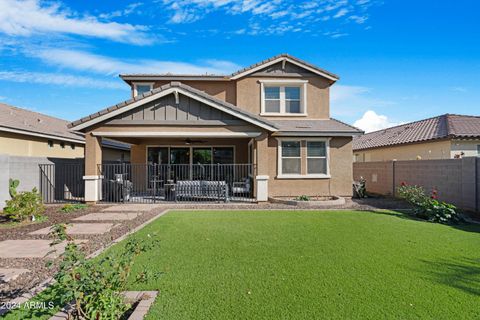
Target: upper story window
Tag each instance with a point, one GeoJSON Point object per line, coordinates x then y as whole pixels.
{"type": "Point", "coordinates": [141, 88]}
{"type": "Point", "coordinates": [284, 97]}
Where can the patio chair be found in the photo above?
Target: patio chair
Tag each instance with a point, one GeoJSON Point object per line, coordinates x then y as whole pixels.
{"type": "Point", "coordinates": [242, 188]}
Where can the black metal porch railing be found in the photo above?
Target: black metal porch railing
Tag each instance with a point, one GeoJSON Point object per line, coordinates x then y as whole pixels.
{"type": "Point", "coordinates": [146, 183]}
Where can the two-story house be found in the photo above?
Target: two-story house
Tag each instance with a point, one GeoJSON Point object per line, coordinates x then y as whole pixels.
{"type": "Point", "coordinates": [264, 131]}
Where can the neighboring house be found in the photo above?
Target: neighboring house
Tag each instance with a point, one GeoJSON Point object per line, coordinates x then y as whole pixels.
{"type": "Point", "coordinates": [273, 116]}
{"type": "Point", "coordinates": [31, 134]}
{"type": "Point", "coordinates": [444, 137]}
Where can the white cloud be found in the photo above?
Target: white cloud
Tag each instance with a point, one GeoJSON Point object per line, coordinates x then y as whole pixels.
{"type": "Point", "coordinates": [31, 17]}
{"type": "Point", "coordinates": [341, 13]}
{"type": "Point", "coordinates": [358, 19]}
{"type": "Point", "coordinates": [85, 61]}
{"type": "Point", "coordinates": [58, 79]}
{"type": "Point", "coordinates": [351, 101]}
{"type": "Point", "coordinates": [129, 9]}
{"type": "Point", "coordinates": [341, 93]}
{"type": "Point", "coordinates": [371, 121]}
{"type": "Point", "coordinates": [459, 89]}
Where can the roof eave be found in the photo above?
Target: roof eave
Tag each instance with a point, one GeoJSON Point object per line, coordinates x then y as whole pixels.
{"type": "Point", "coordinates": [316, 133]}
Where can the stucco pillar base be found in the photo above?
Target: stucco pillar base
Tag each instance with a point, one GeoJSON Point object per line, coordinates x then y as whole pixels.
{"type": "Point", "coordinates": [93, 189]}
{"type": "Point", "coordinates": [262, 188]}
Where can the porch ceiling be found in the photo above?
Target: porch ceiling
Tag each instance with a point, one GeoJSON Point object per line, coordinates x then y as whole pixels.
{"type": "Point", "coordinates": [175, 134]}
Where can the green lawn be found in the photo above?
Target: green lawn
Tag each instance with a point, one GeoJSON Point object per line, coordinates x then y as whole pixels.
{"type": "Point", "coordinates": [311, 265]}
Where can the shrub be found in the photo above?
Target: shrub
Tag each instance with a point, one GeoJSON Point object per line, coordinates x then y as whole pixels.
{"type": "Point", "coordinates": [24, 205]}
{"type": "Point", "coordinates": [303, 198]}
{"type": "Point", "coordinates": [413, 194]}
{"type": "Point", "coordinates": [428, 207]}
{"type": "Point", "coordinates": [95, 286]}
{"type": "Point", "coordinates": [12, 187]}
{"type": "Point", "coordinates": [359, 188]}
{"type": "Point", "coordinates": [70, 207]}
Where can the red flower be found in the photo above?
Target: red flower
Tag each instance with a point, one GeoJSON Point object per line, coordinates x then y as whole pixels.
{"type": "Point", "coordinates": [403, 183]}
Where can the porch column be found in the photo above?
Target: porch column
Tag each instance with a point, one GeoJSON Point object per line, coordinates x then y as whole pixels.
{"type": "Point", "coordinates": [93, 157]}
{"type": "Point", "coordinates": [261, 157]}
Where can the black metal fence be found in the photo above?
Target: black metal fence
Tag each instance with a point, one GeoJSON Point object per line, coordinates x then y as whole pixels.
{"type": "Point", "coordinates": [62, 182]}
{"type": "Point", "coordinates": [146, 183]}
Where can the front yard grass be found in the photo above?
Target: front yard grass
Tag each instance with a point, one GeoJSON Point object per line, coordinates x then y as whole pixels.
{"type": "Point", "coordinates": [310, 265]}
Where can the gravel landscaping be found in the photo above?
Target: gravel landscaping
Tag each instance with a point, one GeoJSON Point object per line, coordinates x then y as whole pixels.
{"type": "Point", "coordinates": [38, 271]}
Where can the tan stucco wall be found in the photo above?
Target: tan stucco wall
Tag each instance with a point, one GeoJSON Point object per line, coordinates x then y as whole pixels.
{"type": "Point", "coordinates": [318, 91]}
{"type": "Point", "coordinates": [468, 147]}
{"type": "Point", "coordinates": [245, 93]}
{"type": "Point", "coordinates": [427, 151]}
{"type": "Point", "coordinates": [224, 90]}
{"type": "Point", "coordinates": [340, 165]}
{"type": "Point", "coordinates": [28, 146]}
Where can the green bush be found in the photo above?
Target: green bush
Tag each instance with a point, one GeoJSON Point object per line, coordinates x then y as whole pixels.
{"type": "Point", "coordinates": [303, 198]}
{"type": "Point", "coordinates": [24, 205]}
{"type": "Point", "coordinates": [96, 286]}
{"type": "Point", "coordinates": [428, 207]}
{"type": "Point", "coordinates": [70, 207]}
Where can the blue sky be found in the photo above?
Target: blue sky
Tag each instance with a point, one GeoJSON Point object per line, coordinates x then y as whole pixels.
{"type": "Point", "coordinates": [398, 61]}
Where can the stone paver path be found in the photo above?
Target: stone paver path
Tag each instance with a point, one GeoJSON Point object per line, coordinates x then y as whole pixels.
{"type": "Point", "coordinates": [132, 207]}
{"type": "Point", "coordinates": [29, 248]}
{"type": "Point", "coordinates": [7, 275]}
{"type": "Point", "coordinates": [109, 216]}
{"type": "Point", "coordinates": [80, 228]}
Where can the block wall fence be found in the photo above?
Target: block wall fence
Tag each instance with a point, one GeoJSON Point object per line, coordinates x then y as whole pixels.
{"type": "Point", "coordinates": [457, 180]}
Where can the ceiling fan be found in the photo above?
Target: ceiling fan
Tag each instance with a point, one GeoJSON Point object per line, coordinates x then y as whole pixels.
{"type": "Point", "coordinates": [190, 141]}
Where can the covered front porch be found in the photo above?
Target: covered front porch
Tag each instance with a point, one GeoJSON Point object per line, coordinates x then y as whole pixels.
{"type": "Point", "coordinates": [180, 167]}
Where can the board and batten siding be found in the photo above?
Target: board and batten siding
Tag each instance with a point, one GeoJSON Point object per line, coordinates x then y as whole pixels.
{"type": "Point", "coordinates": [165, 109]}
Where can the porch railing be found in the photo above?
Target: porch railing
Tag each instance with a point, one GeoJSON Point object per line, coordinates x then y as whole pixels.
{"type": "Point", "coordinates": [148, 183]}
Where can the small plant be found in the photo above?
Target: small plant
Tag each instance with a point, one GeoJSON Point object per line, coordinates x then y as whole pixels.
{"type": "Point", "coordinates": [428, 207]}
{"type": "Point", "coordinates": [303, 198]}
{"type": "Point", "coordinates": [70, 207]}
{"type": "Point", "coordinates": [12, 187]}
{"type": "Point", "coordinates": [95, 287]}
{"type": "Point", "coordinates": [359, 188]}
{"type": "Point", "coordinates": [23, 205]}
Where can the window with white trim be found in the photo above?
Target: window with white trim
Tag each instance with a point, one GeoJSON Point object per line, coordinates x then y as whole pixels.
{"type": "Point", "coordinates": [291, 157]}
{"type": "Point", "coordinates": [283, 98]}
{"type": "Point", "coordinates": [141, 88]}
{"type": "Point", "coordinates": [303, 158]}
{"type": "Point", "coordinates": [316, 157]}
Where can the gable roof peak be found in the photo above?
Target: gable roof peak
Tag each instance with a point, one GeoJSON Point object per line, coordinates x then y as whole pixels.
{"type": "Point", "coordinates": [237, 74]}
{"type": "Point", "coordinates": [165, 89]}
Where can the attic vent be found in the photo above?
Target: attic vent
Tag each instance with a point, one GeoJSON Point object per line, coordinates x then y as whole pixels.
{"type": "Point", "coordinates": [303, 127]}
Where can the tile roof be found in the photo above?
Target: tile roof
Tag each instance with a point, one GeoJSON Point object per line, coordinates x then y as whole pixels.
{"type": "Point", "coordinates": [284, 55]}
{"type": "Point", "coordinates": [316, 126]}
{"type": "Point", "coordinates": [227, 77]}
{"type": "Point", "coordinates": [173, 84]}
{"type": "Point", "coordinates": [440, 127]}
{"type": "Point", "coordinates": [37, 123]}
{"type": "Point", "coordinates": [25, 120]}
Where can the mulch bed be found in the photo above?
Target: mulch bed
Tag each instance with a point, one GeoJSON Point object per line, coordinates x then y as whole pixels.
{"type": "Point", "coordinates": [39, 272]}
